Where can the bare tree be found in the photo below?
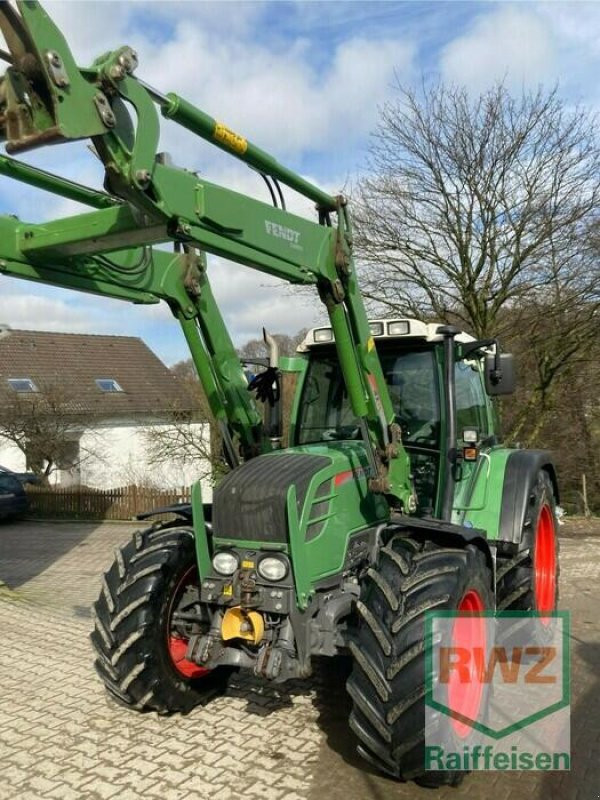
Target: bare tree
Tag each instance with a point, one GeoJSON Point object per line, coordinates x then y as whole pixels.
{"type": "Point", "coordinates": [256, 348]}
{"type": "Point", "coordinates": [182, 442]}
{"type": "Point", "coordinates": [46, 426]}
{"type": "Point", "coordinates": [178, 442]}
{"type": "Point", "coordinates": [478, 212]}
{"type": "Point", "coordinates": [570, 427]}
{"type": "Point", "coordinates": [552, 344]}
{"type": "Point", "coordinates": [473, 204]}
{"type": "Point", "coordinates": [185, 372]}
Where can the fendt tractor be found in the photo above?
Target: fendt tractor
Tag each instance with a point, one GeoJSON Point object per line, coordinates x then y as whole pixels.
{"type": "Point", "coordinates": [392, 496]}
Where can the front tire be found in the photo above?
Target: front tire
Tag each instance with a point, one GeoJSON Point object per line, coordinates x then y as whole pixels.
{"type": "Point", "coordinates": [387, 684]}
{"type": "Point", "coordinates": [140, 650]}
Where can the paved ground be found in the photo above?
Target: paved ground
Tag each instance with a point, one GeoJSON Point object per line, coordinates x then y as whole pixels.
{"type": "Point", "coordinates": [60, 737]}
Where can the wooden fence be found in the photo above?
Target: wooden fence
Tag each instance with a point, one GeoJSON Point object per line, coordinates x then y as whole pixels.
{"type": "Point", "coordinates": [84, 503]}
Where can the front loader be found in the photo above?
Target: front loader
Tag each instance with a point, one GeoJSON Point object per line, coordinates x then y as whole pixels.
{"type": "Point", "coordinates": [394, 496]}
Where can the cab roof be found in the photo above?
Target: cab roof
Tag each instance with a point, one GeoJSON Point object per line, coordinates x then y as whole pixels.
{"type": "Point", "coordinates": [383, 329]}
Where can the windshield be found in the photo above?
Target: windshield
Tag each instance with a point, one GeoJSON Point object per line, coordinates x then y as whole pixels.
{"type": "Point", "coordinates": [412, 380]}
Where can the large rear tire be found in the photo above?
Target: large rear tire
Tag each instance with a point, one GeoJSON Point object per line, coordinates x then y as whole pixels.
{"type": "Point", "coordinates": [140, 648]}
{"type": "Point", "coordinates": [528, 580]}
{"type": "Point", "coordinates": [387, 684]}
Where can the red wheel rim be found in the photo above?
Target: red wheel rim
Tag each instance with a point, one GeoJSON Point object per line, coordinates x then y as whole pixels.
{"type": "Point", "coordinates": [177, 645]}
{"type": "Point", "coordinates": [468, 633]}
{"type": "Point", "coordinates": [544, 564]}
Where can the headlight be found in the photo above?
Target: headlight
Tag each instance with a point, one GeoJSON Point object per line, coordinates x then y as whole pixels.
{"type": "Point", "coordinates": [272, 568]}
{"type": "Point", "coordinates": [225, 563]}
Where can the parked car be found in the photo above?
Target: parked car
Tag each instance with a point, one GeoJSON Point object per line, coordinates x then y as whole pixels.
{"type": "Point", "coordinates": [13, 499]}
{"type": "Point", "coordinates": [24, 477]}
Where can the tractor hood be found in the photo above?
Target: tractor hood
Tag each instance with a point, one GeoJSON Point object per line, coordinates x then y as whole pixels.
{"type": "Point", "coordinates": [251, 503]}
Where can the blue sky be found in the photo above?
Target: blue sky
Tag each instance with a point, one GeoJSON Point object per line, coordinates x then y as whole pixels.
{"type": "Point", "coordinates": [303, 80]}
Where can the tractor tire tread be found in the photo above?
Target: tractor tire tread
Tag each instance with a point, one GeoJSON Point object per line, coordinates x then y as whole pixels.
{"type": "Point", "coordinates": [387, 683]}
{"type": "Point", "coordinates": [130, 644]}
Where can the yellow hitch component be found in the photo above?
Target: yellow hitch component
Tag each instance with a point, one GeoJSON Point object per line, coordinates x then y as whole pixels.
{"type": "Point", "coordinates": [239, 624]}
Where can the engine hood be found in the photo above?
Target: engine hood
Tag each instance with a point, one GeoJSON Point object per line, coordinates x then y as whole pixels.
{"type": "Point", "coordinates": [250, 504]}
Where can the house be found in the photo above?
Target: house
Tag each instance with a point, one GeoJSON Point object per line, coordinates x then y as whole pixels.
{"type": "Point", "coordinates": [102, 401]}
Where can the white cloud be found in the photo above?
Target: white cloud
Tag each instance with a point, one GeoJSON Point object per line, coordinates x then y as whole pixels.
{"type": "Point", "coordinates": [30, 306]}
{"type": "Point", "coordinates": [506, 43]}
{"type": "Point", "coordinates": [29, 311]}
{"type": "Point", "coordinates": [270, 87]}
{"type": "Point", "coordinates": [249, 300]}
{"type": "Point", "coordinates": [576, 35]}
{"type": "Point", "coordinates": [279, 100]}
{"type": "Point", "coordinates": [70, 160]}
{"type": "Point", "coordinates": [315, 91]}
{"type": "Point", "coordinates": [90, 28]}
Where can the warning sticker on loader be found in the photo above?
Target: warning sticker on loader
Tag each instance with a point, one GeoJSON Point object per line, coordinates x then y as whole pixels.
{"type": "Point", "coordinates": [230, 139]}
{"type": "Point", "coordinates": [497, 691]}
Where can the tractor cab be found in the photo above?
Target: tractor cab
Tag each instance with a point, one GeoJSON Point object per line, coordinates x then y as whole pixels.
{"type": "Point", "coordinates": [412, 356]}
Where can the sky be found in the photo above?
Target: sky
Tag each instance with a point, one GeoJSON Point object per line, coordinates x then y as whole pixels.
{"type": "Point", "coordinates": [304, 80]}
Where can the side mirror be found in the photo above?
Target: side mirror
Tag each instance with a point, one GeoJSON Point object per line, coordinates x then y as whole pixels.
{"type": "Point", "coordinates": [499, 377]}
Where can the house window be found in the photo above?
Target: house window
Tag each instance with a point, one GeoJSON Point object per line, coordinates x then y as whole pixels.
{"type": "Point", "coordinates": [22, 385]}
{"type": "Point", "coordinates": [108, 385]}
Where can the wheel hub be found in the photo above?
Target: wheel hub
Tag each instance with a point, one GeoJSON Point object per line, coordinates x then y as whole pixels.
{"type": "Point", "coordinates": [545, 564]}
{"type": "Point", "coordinates": [177, 644]}
{"type": "Point", "coordinates": [468, 633]}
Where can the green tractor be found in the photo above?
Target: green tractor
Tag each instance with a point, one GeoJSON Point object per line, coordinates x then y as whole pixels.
{"type": "Point", "coordinates": [393, 496]}
{"type": "Point", "coordinates": [297, 557]}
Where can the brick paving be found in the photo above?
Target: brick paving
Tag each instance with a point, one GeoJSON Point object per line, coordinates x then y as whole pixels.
{"type": "Point", "coordinates": [61, 737]}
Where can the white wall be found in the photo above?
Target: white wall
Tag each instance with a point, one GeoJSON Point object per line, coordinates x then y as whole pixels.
{"type": "Point", "coordinates": [11, 457]}
{"type": "Point", "coordinates": [117, 456]}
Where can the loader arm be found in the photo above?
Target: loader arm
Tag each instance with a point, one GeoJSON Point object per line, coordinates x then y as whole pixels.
{"type": "Point", "coordinates": [112, 250]}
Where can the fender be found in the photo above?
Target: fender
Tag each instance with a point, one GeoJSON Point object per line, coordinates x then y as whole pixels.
{"type": "Point", "coordinates": [182, 510]}
{"type": "Point", "coordinates": [520, 478]}
{"type": "Point", "coordinates": [443, 533]}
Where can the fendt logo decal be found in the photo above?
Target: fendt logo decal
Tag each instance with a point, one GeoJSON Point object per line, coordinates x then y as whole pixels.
{"type": "Point", "coordinates": [281, 232]}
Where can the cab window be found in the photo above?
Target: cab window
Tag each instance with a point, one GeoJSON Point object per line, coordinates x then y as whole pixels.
{"type": "Point", "coordinates": [470, 398]}
{"type": "Point", "coordinates": [326, 413]}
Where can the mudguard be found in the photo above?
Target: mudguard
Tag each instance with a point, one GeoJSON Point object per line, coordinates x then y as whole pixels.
{"type": "Point", "coordinates": [443, 533]}
{"type": "Point", "coordinates": [520, 479]}
{"type": "Point", "coordinates": [183, 510]}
